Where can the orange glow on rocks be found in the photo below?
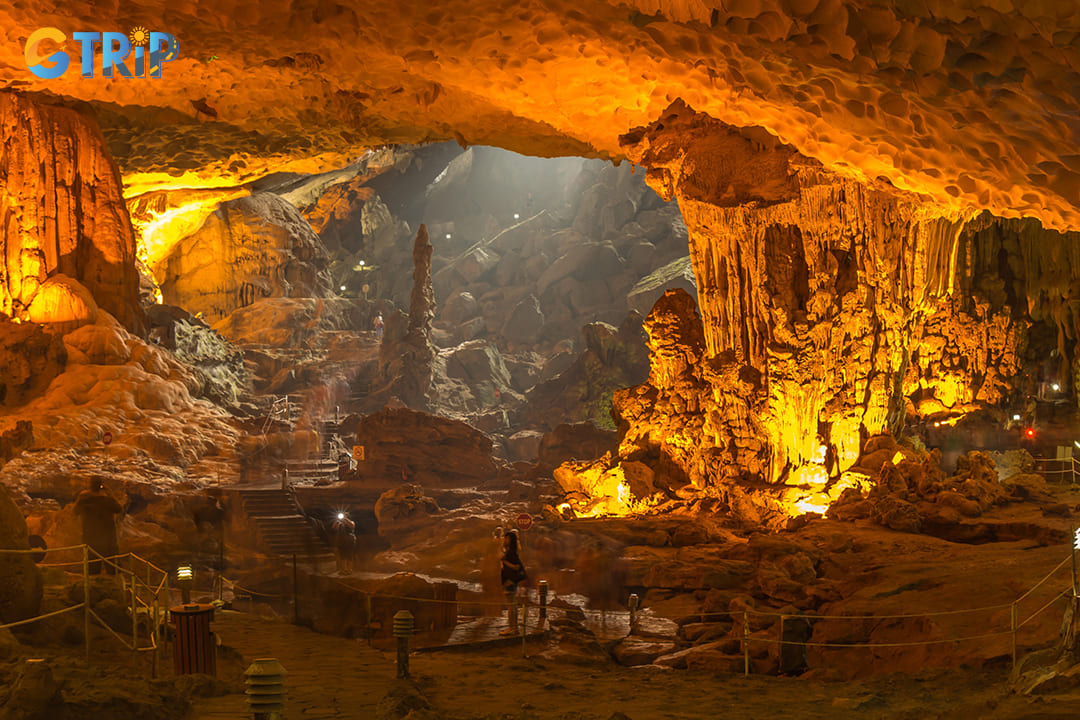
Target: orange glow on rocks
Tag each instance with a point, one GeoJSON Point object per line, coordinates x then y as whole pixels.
{"type": "Point", "coordinates": [164, 218]}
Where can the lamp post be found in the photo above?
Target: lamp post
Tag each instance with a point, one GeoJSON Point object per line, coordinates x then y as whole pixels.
{"type": "Point", "coordinates": [185, 580]}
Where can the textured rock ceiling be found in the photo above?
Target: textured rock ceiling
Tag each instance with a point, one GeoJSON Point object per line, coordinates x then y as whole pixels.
{"type": "Point", "coordinates": [973, 104]}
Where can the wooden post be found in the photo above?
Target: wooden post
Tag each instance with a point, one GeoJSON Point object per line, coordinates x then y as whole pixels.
{"type": "Point", "coordinates": [746, 642]}
{"type": "Point", "coordinates": [134, 614]}
{"type": "Point", "coordinates": [1013, 614]}
{"type": "Point", "coordinates": [154, 639]}
{"type": "Point", "coordinates": [543, 590]}
{"type": "Point", "coordinates": [295, 592]}
{"type": "Point", "coordinates": [780, 648]}
{"type": "Point", "coordinates": [1072, 552]}
{"type": "Point", "coordinates": [524, 626]}
{"type": "Point", "coordinates": [86, 599]}
{"type": "Point", "coordinates": [370, 620]}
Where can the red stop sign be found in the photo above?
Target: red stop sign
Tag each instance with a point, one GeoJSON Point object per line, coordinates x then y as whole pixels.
{"type": "Point", "coordinates": [524, 521]}
{"type": "Point", "coordinates": [106, 438]}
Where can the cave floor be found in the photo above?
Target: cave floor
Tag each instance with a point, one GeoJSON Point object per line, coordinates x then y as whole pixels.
{"type": "Point", "coordinates": [331, 677]}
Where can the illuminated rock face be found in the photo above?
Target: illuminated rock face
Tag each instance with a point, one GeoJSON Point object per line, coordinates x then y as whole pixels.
{"type": "Point", "coordinates": [250, 248]}
{"type": "Point", "coordinates": [826, 305]}
{"type": "Point", "coordinates": [969, 102]}
{"type": "Point", "coordinates": [61, 211]}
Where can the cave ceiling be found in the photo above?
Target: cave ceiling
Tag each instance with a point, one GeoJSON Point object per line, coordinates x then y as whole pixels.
{"type": "Point", "coordinates": [971, 104]}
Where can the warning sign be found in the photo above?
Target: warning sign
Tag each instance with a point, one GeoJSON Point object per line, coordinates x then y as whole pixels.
{"type": "Point", "coordinates": [358, 453]}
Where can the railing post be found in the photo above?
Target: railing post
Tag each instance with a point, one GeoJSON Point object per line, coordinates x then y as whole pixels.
{"type": "Point", "coordinates": [633, 604]}
{"type": "Point", "coordinates": [524, 626]}
{"type": "Point", "coordinates": [86, 599]}
{"type": "Point", "coordinates": [370, 620]}
{"type": "Point", "coordinates": [746, 642]}
{"type": "Point", "coordinates": [134, 614]}
{"type": "Point", "coordinates": [154, 638]}
{"type": "Point", "coordinates": [543, 592]}
{"type": "Point", "coordinates": [1013, 614]}
{"type": "Point", "coordinates": [295, 592]}
{"type": "Point", "coordinates": [780, 647]}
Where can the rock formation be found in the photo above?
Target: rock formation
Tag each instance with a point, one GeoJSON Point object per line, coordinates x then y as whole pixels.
{"type": "Point", "coordinates": [20, 580]}
{"type": "Point", "coordinates": [250, 248]}
{"type": "Point", "coordinates": [435, 452]}
{"type": "Point", "coordinates": [61, 212]}
{"type": "Point", "coordinates": [829, 304]}
{"type": "Point", "coordinates": [406, 361]}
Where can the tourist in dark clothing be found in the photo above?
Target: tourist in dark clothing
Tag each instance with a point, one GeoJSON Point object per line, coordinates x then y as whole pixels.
{"type": "Point", "coordinates": [511, 573]}
{"type": "Point", "coordinates": [98, 510]}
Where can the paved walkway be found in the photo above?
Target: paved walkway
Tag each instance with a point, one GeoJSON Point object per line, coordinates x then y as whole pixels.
{"type": "Point", "coordinates": [328, 677]}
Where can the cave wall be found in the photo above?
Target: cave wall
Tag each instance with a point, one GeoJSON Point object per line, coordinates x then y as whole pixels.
{"type": "Point", "coordinates": [61, 212]}
{"type": "Point", "coordinates": [248, 249]}
{"type": "Point", "coordinates": [827, 305]}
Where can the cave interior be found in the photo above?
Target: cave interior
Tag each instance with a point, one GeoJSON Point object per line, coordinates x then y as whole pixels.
{"type": "Point", "coordinates": [754, 321]}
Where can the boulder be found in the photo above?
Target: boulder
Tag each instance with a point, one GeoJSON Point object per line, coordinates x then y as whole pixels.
{"type": "Point", "coordinates": [678, 273]}
{"type": "Point", "coordinates": [29, 360]}
{"type": "Point", "coordinates": [10, 648]}
{"type": "Point", "coordinates": [892, 512]}
{"type": "Point", "coordinates": [34, 694]}
{"type": "Point", "coordinates": [712, 657]}
{"type": "Point", "coordinates": [589, 262]}
{"type": "Point", "coordinates": [62, 304]}
{"type": "Point", "coordinates": [459, 307]}
{"type": "Point", "coordinates": [20, 580]}
{"type": "Point", "coordinates": [403, 510]}
{"type": "Point", "coordinates": [578, 441]}
{"type": "Point", "coordinates": [476, 264]}
{"type": "Point", "coordinates": [249, 248]}
{"type": "Point", "coordinates": [477, 361]}
{"type": "Point", "coordinates": [524, 445]}
{"type": "Point", "coordinates": [434, 451]}
{"type": "Point", "coordinates": [524, 322]}
{"type": "Point", "coordinates": [641, 651]}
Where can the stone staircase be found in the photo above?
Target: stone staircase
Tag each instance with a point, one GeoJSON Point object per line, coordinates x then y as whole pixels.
{"type": "Point", "coordinates": [320, 471]}
{"type": "Point", "coordinates": [280, 527]}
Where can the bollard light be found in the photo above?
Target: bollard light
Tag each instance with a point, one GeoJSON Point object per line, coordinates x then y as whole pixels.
{"type": "Point", "coordinates": [185, 580]}
{"type": "Point", "coordinates": [403, 629]}
{"type": "Point", "coordinates": [265, 692]}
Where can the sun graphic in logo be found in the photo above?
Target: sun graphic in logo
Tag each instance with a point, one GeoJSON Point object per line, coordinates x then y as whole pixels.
{"type": "Point", "coordinates": [139, 36]}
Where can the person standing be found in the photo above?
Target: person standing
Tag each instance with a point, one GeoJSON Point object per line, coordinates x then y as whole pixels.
{"type": "Point", "coordinates": [344, 530]}
{"type": "Point", "coordinates": [511, 574]}
{"type": "Point", "coordinates": [379, 325]}
{"type": "Point", "coordinates": [98, 510]}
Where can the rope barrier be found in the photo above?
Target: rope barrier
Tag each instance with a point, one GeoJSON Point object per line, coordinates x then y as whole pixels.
{"type": "Point", "coordinates": [1038, 584]}
{"type": "Point", "coordinates": [42, 617]}
{"type": "Point", "coordinates": [129, 646]}
{"type": "Point", "coordinates": [1057, 597]}
{"type": "Point", "coordinates": [34, 551]}
{"type": "Point", "coordinates": [237, 586]}
{"type": "Point", "coordinates": [771, 641]}
{"type": "Point", "coordinates": [873, 617]}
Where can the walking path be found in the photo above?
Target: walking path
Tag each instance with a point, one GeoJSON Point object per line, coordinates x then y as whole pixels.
{"type": "Point", "coordinates": [328, 677]}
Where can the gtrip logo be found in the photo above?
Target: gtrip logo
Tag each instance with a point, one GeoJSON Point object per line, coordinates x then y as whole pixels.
{"type": "Point", "coordinates": [145, 50]}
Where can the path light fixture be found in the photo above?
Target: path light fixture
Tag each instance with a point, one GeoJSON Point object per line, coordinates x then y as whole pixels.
{"type": "Point", "coordinates": [185, 580]}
